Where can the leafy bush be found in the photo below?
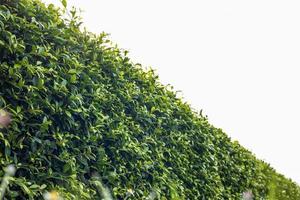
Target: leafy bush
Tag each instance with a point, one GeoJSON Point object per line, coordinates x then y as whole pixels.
{"type": "Point", "coordinates": [85, 115]}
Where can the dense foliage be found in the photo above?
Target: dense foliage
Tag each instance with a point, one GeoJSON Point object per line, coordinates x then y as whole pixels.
{"type": "Point", "coordinates": [84, 114]}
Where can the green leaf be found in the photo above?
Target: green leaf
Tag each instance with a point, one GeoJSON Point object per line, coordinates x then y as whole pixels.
{"type": "Point", "coordinates": [64, 3]}
{"type": "Point", "coordinates": [40, 83]}
{"type": "Point", "coordinates": [43, 186]}
{"type": "Point", "coordinates": [73, 78]}
{"type": "Point", "coordinates": [72, 71]}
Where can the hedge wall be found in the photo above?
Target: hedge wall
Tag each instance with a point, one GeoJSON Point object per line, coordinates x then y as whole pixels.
{"type": "Point", "coordinates": [85, 117]}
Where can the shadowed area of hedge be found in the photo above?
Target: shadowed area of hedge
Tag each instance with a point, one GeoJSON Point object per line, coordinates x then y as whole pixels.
{"type": "Point", "coordinates": [84, 115]}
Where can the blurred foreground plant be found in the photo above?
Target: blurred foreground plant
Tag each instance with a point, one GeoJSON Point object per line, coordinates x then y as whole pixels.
{"type": "Point", "coordinates": [101, 188]}
{"type": "Point", "coordinates": [10, 171]}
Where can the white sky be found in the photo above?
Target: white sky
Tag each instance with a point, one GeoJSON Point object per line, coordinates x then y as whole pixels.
{"type": "Point", "coordinates": [237, 60]}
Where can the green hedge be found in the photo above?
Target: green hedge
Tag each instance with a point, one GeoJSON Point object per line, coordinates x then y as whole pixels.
{"type": "Point", "coordinates": [85, 115]}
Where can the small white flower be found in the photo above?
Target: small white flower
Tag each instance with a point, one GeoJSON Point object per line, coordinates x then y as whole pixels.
{"type": "Point", "coordinates": [5, 119]}
{"type": "Point", "coordinates": [53, 195]}
{"type": "Point", "coordinates": [248, 195]}
{"type": "Point", "coordinates": [130, 191]}
{"type": "Point", "coordinates": [10, 170]}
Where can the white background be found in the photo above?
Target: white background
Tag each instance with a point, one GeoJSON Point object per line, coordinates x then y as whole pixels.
{"type": "Point", "coordinates": [237, 60]}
